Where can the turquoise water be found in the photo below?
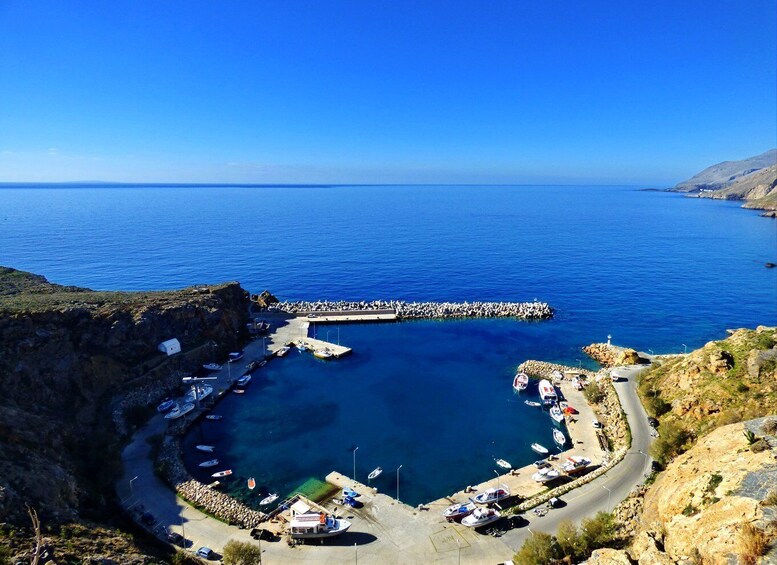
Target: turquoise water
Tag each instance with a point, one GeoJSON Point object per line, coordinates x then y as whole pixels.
{"type": "Point", "coordinates": [657, 271]}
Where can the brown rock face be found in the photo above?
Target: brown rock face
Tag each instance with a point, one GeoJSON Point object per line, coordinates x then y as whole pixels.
{"type": "Point", "coordinates": [608, 556]}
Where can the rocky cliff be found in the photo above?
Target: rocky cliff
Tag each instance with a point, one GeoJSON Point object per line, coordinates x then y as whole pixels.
{"type": "Point", "coordinates": [68, 357]}
{"type": "Point", "coordinates": [722, 175]}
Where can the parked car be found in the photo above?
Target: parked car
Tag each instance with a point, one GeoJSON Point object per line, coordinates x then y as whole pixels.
{"type": "Point", "coordinates": [175, 538]}
{"type": "Point", "coordinates": [205, 552]}
{"type": "Point", "coordinates": [652, 421]}
{"type": "Point", "coordinates": [541, 464]}
{"type": "Point", "coordinates": [597, 424]}
{"type": "Point", "coordinates": [554, 502]}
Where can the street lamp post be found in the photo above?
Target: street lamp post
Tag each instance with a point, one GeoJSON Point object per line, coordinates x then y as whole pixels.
{"type": "Point", "coordinates": [651, 353]}
{"type": "Point", "coordinates": [130, 483]}
{"type": "Point", "coordinates": [645, 455]}
{"type": "Point", "coordinates": [354, 464]}
{"type": "Point", "coordinates": [497, 478]}
{"type": "Point", "coordinates": [458, 544]}
{"type": "Point", "coordinates": [685, 349]}
{"type": "Point", "coordinates": [398, 468]}
{"type": "Point", "coordinates": [579, 363]}
{"type": "Point", "coordinates": [609, 495]}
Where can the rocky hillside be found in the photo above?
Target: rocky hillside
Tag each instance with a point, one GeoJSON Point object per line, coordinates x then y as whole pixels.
{"type": "Point", "coordinates": [724, 174]}
{"type": "Point", "coordinates": [68, 357]}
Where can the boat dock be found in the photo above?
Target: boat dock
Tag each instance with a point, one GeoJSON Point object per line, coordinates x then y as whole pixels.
{"type": "Point", "coordinates": [352, 316]}
{"type": "Point", "coordinates": [318, 345]}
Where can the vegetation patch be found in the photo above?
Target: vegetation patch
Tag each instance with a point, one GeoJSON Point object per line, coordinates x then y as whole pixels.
{"type": "Point", "coordinates": [570, 544]}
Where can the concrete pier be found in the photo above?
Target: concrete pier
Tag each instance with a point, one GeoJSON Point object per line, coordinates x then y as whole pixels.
{"type": "Point", "coordinates": [318, 345]}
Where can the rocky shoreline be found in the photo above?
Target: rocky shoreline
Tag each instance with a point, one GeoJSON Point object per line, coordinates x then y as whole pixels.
{"type": "Point", "coordinates": [425, 310]}
{"type": "Point", "coordinates": [544, 370]}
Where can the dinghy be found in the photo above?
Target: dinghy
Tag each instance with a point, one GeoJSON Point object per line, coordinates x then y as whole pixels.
{"type": "Point", "coordinates": [211, 463]}
{"type": "Point", "coordinates": [251, 484]}
{"type": "Point", "coordinates": [205, 448]}
{"type": "Point", "coordinates": [520, 382]}
{"type": "Point", "coordinates": [537, 448]}
{"type": "Point", "coordinates": [559, 437]}
{"type": "Point", "coordinates": [375, 473]}
{"type": "Point", "coordinates": [503, 464]}
{"type": "Point", "coordinates": [213, 417]}
{"type": "Point", "coordinates": [268, 499]}
{"type": "Point", "coordinates": [532, 403]}
{"type": "Point", "coordinates": [220, 474]}
{"type": "Point", "coordinates": [212, 367]}
{"type": "Point", "coordinates": [236, 356]}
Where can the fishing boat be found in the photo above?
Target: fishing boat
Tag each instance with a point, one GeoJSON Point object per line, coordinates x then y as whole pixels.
{"type": "Point", "coordinates": [520, 382]}
{"type": "Point", "coordinates": [375, 473]}
{"type": "Point", "coordinates": [239, 391]}
{"type": "Point", "coordinates": [537, 448]}
{"type": "Point", "coordinates": [545, 475]}
{"type": "Point", "coordinates": [481, 517]}
{"type": "Point", "coordinates": [503, 464]}
{"type": "Point", "coordinates": [251, 484]}
{"type": "Point", "coordinates": [531, 403]}
{"type": "Point", "coordinates": [317, 525]}
{"type": "Point", "coordinates": [165, 406]}
{"type": "Point", "coordinates": [211, 463]}
{"type": "Point", "coordinates": [235, 356]}
{"type": "Point", "coordinates": [205, 448]}
{"type": "Point", "coordinates": [243, 381]}
{"type": "Point", "coordinates": [547, 392]}
{"type": "Point", "coordinates": [459, 511]}
{"type": "Point", "coordinates": [282, 351]}
{"type": "Point", "coordinates": [269, 499]}
{"type": "Point", "coordinates": [213, 417]}
{"type": "Point", "coordinates": [492, 495]}
{"type": "Point", "coordinates": [559, 437]}
{"type": "Point", "coordinates": [198, 393]}
{"type": "Point", "coordinates": [220, 474]}
{"type": "Point", "coordinates": [179, 411]}
{"type": "Point", "coordinates": [556, 415]}
{"type": "Point", "coordinates": [322, 354]}
{"type": "Point", "coordinates": [575, 465]}
{"type": "Point", "coordinates": [211, 367]}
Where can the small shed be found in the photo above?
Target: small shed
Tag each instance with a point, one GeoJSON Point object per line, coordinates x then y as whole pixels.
{"type": "Point", "coordinates": [170, 347]}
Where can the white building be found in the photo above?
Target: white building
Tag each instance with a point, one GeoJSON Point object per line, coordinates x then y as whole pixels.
{"type": "Point", "coordinates": [170, 347]}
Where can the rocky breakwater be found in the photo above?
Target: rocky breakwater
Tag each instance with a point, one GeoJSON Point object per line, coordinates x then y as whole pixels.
{"type": "Point", "coordinates": [66, 354]}
{"type": "Point", "coordinates": [545, 370]}
{"type": "Point", "coordinates": [426, 310]}
{"type": "Point", "coordinates": [608, 355]}
{"type": "Point", "coordinates": [211, 501]}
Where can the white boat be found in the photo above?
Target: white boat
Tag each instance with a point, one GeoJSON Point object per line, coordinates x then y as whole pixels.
{"type": "Point", "coordinates": [532, 403]}
{"type": "Point", "coordinates": [545, 475]}
{"type": "Point", "coordinates": [251, 483]}
{"type": "Point", "coordinates": [211, 367]}
{"type": "Point", "coordinates": [537, 448]}
{"type": "Point", "coordinates": [213, 417]}
{"type": "Point", "coordinates": [165, 406]}
{"type": "Point", "coordinates": [547, 392]}
{"type": "Point", "coordinates": [202, 392]}
{"type": "Point", "coordinates": [520, 381]}
{"type": "Point", "coordinates": [179, 411]}
{"type": "Point", "coordinates": [457, 511]}
{"type": "Point", "coordinates": [559, 437]}
{"type": "Point", "coordinates": [239, 391]}
{"type": "Point", "coordinates": [481, 517]}
{"type": "Point", "coordinates": [235, 356]}
{"type": "Point", "coordinates": [375, 473]}
{"type": "Point", "coordinates": [220, 474]}
{"type": "Point", "coordinates": [205, 448]}
{"type": "Point", "coordinates": [282, 351]}
{"type": "Point", "coordinates": [211, 463]}
{"type": "Point", "coordinates": [557, 376]}
{"type": "Point", "coordinates": [575, 464]}
{"type": "Point", "coordinates": [322, 354]}
{"type": "Point", "coordinates": [244, 380]}
{"type": "Point", "coordinates": [269, 499]}
{"type": "Point", "coordinates": [492, 495]}
{"type": "Point", "coordinates": [556, 415]}
{"type": "Point", "coordinates": [301, 347]}
{"type": "Point", "coordinates": [503, 464]}
{"type": "Point", "coordinates": [317, 525]}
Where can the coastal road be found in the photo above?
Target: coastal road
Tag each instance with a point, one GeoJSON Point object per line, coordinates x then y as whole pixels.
{"type": "Point", "coordinates": [605, 492]}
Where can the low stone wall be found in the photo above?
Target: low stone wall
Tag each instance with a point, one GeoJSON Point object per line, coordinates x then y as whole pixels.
{"type": "Point", "coordinates": [610, 413]}
{"type": "Point", "coordinates": [418, 310]}
{"type": "Point", "coordinates": [544, 370]}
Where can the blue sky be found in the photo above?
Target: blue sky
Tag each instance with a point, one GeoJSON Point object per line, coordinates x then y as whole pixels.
{"type": "Point", "coordinates": [296, 92]}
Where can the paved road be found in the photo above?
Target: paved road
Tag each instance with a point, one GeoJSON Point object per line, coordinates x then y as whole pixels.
{"type": "Point", "coordinates": [593, 497]}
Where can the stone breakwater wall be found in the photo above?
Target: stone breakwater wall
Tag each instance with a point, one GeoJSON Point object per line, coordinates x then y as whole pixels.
{"type": "Point", "coordinates": [211, 501]}
{"type": "Point", "coordinates": [419, 310]}
{"type": "Point", "coordinates": [544, 370]}
{"type": "Point", "coordinates": [608, 355]}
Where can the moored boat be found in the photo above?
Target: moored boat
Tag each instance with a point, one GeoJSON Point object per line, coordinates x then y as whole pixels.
{"type": "Point", "coordinates": [492, 495]}
{"type": "Point", "coordinates": [547, 392]}
{"type": "Point", "coordinates": [545, 475]}
{"type": "Point", "coordinates": [503, 464]}
{"type": "Point", "coordinates": [317, 525]}
{"type": "Point", "coordinates": [219, 474]}
{"type": "Point", "coordinates": [481, 517]}
{"type": "Point", "coordinates": [239, 391]}
{"type": "Point", "coordinates": [541, 449]}
{"type": "Point", "coordinates": [165, 406]}
{"type": "Point", "coordinates": [198, 393]}
{"type": "Point", "coordinates": [375, 473]}
{"type": "Point", "coordinates": [575, 464]}
{"type": "Point", "coordinates": [531, 403]}
{"type": "Point", "coordinates": [213, 417]}
{"type": "Point", "coordinates": [179, 411]}
{"type": "Point", "coordinates": [520, 382]}
{"type": "Point", "coordinates": [322, 353]}
{"type": "Point", "coordinates": [556, 415]}
{"type": "Point", "coordinates": [211, 463]}
{"type": "Point", "coordinates": [211, 367]}
{"type": "Point", "coordinates": [235, 356]}
{"type": "Point", "coordinates": [251, 483]}
{"type": "Point", "coordinates": [459, 511]}
{"type": "Point", "coordinates": [282, 351]}
{"type": "Point", "coordinates": [269, 499]}
{"type": "Point", "coordinates": [559, 437]}
{"type": "Point", "coordinates": [243, 381]}
{"type": "Point", "coordinates": [205, 448]}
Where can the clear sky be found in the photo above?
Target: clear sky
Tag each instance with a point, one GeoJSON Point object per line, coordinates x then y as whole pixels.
{"type": "Point", "coordinates": [639, 92]}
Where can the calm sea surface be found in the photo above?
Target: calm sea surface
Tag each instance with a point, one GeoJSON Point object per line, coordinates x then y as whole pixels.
{"type": "Point", "coordinates": [654, 270]}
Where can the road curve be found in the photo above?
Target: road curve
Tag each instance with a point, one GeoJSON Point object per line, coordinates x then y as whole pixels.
{"type": "Point", "coordinates": [606, 491]}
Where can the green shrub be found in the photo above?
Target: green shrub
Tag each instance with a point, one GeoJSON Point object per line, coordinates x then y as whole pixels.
{"type": "Point", "coordinates": [596, 532]}
{"type": "Point", "coordinates": [673, 441]}
{"type": "Point", "coordinates": [568, 540]}
{"type": "Point", "coordinates": [594, 392]}
{"type": "Point", "coordinates": [690, 510]}
{"type": "Point", "coordinates": [539, 549]}
{"type": "Point", "coordinates": [750, 436]}
{"type": "Point", "coordinates": [241, 553]}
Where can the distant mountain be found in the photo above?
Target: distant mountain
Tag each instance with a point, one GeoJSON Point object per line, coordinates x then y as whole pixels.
{"type": "Point", "coordinates": [724, 174]}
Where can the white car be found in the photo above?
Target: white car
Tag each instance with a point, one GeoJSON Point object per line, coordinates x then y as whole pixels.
{"type": "Point", "coordinates": [205, 552]}
{"type": "Point", "coordinates": [597, 424]}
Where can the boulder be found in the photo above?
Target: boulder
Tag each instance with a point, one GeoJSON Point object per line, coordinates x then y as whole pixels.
{"type": "Point", "coordinates": [608, 556]}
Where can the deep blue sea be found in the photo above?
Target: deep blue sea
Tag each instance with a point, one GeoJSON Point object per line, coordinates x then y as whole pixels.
{"type": "Point", "coordinates": [655, 270]}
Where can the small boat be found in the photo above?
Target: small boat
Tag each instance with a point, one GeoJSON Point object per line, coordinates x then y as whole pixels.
{"type": "Point", "coordinates": [556, 414]}
{"type": "Point", "coordinates": [239, 391]}
{"type": "Point", "coordinates": [211, 463]}
{"type": "Point", "coordinates": [375, 473]}
{"type": "Point", "coordinates": [179, 411]}
{"type": "Point", "coordinates": [251, 484]}
{"type": "Point", "coordinates": [557, 375]}
{"type": "Point", "coordinates": [243, 381]}
{"type": "Point", "coordinates": [520, 382]}
{"type": "Point", "coordinates": [269, 499]}
{"type": "Point", "coordinates": [235, 356]}
{"type": "Point", "coordinates": [198, 393]}
{"type": "Point", "coordinates": [165, 406]}
{"type": "Point", "coordinates": [350, 492]}
{"type": "Point", "coordinates": [282, 351]}
{"type": "Point", "coordinates": [547, 392]}
{"type": "Point", "coordinates": [252, 366]}
{"type": "Point", "coordinates": [211, 367]}
{"type": "Point", "coordinates": [575, 465]}
{"type": "Point", "coordinates": [545, 475]}
{"type": "Point", "coordinates": [213, 417]}
{"type": "Point", "coordinates": [537, 448]}
{"type": "Point", "coordinates": [322, 354]}
{"type": "Point", "coordinates": [559, 437]}
{"type": "Point", "coordinates": [492, 495]}
{"type": "Point", "coordinates": [301, 347]}
{"type": "Point", "coordinates": [316, 525]}
{"type": "Point", "coordinates": [459, 511]}
{"type": "Point", "coordinates": [481, 517]}
{"type": "Point", "coordinates": [220, 474]}
{"type": "Point", "coordinates": [503, 464]}
{"type": "Point", "coordinates": [205, 448]}
{"type": "Point", "coordinates": [532, 403]}
{"type": "Point", "coordinates": [262, 363]}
